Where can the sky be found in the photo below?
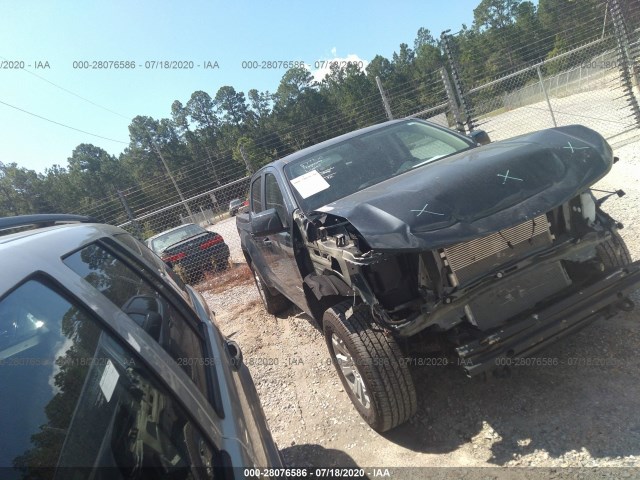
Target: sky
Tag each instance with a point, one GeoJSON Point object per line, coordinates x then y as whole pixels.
{"type": "Point", "coordinates": [53, 40]}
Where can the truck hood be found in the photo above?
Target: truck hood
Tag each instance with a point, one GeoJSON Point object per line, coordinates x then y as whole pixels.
{"type": "Point", "coordinates": [477, 192]}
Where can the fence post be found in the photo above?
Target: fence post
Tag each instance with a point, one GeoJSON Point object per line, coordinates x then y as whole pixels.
{"type": "Point", "coordinates": [457, 81]}
{"type": "Point", "coordinates": [580, 77]}
{"type": "Point", "coordinates": [624, 59]}
{"type": "Point", "coordinates": [166, 167]}
{"type": "Point", "coordinates": [385, 101]}
{"type": "Point", "coordinates": [546, 96]}
{"type": "Point", "coordinates": [453, 104]}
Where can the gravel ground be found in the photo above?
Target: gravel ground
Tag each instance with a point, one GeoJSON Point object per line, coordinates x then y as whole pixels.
{"type": "Point", "coordinates": [583, 415]}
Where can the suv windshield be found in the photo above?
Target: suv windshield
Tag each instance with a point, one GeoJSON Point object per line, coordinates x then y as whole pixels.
{"type": "Point", "coordinates": [337, 171]}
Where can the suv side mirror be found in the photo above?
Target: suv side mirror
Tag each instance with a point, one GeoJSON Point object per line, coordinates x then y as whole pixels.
{"type": "Point", "coordinates": [266, 223]}
{"type": "Point", "coordinates": [480, 137]}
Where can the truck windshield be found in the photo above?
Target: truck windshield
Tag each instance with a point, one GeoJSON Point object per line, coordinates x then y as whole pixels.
{"type": "Point", "coordinates": [359, 162]}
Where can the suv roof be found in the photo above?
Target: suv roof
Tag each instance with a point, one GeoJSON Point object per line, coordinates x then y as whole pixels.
{"type": "Point", "coordinates": [41, 220]}
{"type": "Point", "coordinates": [23, 253]}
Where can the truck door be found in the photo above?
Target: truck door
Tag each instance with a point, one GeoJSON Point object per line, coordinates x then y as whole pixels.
{"type": "Point", "coordinates": [263, 245]}
{"type": "Point", "coordinates": [278, 248]}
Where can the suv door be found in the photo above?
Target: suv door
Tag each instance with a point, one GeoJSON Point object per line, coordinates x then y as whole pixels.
{"type": "Point", "coordinates": [187, 332]}
{"type": "Point", "coordinates": [91, 402]}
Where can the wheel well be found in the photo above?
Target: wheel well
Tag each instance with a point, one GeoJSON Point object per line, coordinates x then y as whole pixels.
{"type": "Point", "coordinates": [318, 307]}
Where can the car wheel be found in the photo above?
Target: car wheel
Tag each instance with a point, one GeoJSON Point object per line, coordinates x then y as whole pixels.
{"type": "Point", "coordinates": [614, 252]}
{"type": "Point", "coordinates": [370, 367]}
{"type": "Point", "coordinates": [273, 304]}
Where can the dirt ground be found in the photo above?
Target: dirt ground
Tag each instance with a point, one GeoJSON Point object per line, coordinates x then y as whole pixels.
{"type": "Point", "coordinates": [580, 415]}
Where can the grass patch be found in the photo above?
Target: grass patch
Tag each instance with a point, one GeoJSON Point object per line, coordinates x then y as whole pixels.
{"type": "Point", "coordinates": [236, 274]}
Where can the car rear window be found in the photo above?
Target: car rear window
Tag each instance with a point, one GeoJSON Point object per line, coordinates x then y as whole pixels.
{"type": "Point", "coordinates": [128, 289]}
{"type": "Point", "coordinates": [164, 241]}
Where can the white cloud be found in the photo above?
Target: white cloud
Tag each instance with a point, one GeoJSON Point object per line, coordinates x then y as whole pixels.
{"type": "Point", "coordinates": [320, 68]}
{"type": "Point", "coordinates": [334, 51]}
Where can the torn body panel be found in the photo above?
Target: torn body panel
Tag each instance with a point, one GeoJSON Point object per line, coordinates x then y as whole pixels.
{"type": "Point", "coordinates": [482, 283]}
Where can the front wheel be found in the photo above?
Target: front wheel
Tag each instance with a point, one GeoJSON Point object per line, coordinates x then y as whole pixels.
{"type": "Point", "coordinates": [370, 367]}
{"type": "Point", "coordinates": [614, 252]}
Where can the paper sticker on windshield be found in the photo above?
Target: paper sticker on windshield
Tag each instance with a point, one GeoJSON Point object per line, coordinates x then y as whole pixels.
{"type": "Point", "coordinates": [309, 184]}
{"type": "Point", "coordinates": [109, 380]}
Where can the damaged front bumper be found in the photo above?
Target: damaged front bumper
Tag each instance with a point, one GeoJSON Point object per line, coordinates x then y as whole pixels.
{"type": "Point", "coordinates": [526, 336]}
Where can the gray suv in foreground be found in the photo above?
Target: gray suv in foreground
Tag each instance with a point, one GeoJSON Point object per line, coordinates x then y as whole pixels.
{"type": "Point", "coordinates": [111, 367]}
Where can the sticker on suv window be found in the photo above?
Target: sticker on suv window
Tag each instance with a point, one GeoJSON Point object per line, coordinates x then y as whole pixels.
{"type": "Point", "coordinates": [109, 380]}
{"type": "Point", "coordinates": [309, 184]}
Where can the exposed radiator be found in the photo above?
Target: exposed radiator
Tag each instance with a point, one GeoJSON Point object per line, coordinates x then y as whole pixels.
{"type": "Point", "coordinates": [473, 258]}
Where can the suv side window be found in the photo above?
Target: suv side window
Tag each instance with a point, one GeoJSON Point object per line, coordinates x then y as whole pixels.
{"type": "Point", "coordinates": [273, 197]}
{"type": "Point", "coordinates": [134, 295]}
{"type": "Point", "coordinates": [149, 255]}
{"type": "Point", "coordinates": [89, 402]}
{"type": "Point", "coordinates": [256, 195]}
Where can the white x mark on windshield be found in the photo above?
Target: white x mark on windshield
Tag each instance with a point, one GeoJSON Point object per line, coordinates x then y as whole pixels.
{"type": "Point", "coordinates": [424, 210]}
{"type": "Point", "coordinates": [506, 176]}
{"type": "Point", "coordinates": [573, 149]}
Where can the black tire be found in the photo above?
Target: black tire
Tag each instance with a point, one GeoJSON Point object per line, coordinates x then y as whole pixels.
{"type": "Point", "coordinates": [377, 359]}
{"type": "Point", "coordinates": [273, 303]}
{"type": "Point", "coordinates": [614, 252]}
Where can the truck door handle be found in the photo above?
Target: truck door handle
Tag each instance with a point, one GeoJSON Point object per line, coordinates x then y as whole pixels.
{"type": "Point", "coordinates": [267, 242]}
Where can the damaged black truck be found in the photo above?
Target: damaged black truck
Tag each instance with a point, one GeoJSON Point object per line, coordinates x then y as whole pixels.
{"type": "Point", "coordinates": [406, 234]}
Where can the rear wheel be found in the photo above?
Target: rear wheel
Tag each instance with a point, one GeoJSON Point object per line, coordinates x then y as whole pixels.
{"type": "Point", "coordinates": [273, 303]}
{"type": "Point", "coordinates": [370, 367]}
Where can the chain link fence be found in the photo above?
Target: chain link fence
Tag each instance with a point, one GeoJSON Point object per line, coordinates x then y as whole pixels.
{"type": "Point", "coordinates": [593, 84]}
{"type": "Point", "coordinates": [581, 86]}
{"type": "Point", "coordinates": [190, 225]}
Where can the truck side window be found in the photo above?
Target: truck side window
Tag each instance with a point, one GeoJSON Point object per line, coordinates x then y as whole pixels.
{"type": "Point", "coordinates": [256, 195]}
{"type": "Point", "coordinates": [273, 197]}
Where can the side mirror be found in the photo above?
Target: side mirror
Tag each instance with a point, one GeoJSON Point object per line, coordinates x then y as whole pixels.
{"type": "Point", "coordinates": [266, 223]}
{"type": "Point", "coordinates": [480, 137]}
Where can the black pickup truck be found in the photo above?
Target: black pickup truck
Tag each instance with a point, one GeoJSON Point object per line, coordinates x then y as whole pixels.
{"type": "Point", "coordinates": [406, 235]}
